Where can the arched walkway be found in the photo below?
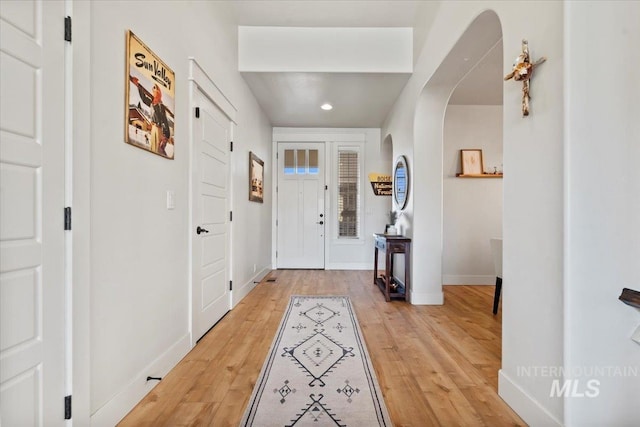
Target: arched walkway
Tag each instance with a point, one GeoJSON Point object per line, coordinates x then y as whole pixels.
{"type": "Point", "coordinates": [481, 35]}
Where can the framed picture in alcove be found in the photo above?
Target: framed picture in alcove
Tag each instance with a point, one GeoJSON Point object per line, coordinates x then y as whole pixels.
{"type": "Point", "coordinates": [471, 162]}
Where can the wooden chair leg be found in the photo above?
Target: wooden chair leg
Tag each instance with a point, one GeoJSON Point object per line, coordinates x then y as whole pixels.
{"type": "Point", "coordinates": [496, 296]}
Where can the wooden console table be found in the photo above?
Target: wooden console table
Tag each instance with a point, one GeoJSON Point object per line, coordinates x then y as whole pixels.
{"type": "Point", "coordinates": [392, 245]}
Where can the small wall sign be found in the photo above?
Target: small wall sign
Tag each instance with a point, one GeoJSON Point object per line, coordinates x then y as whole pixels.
{"type": "Point", "coordinates": [382, 184]}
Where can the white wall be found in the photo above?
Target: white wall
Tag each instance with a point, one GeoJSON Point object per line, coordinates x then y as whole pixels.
{"type": "Point", "coordinates": [138, 260]}
{"type": "Point", "coordinates": [343, 254]}
{"type": "Point", "coordinates": [251, 220]}
{"type": "Point", "coordinates": [349, 50]}
{"type": "Point", "coordinates": [603, 209]}
{"type": "Point", "coordinates": [472, 208]}
{"type": "Point", "coordinates": [533, 201]}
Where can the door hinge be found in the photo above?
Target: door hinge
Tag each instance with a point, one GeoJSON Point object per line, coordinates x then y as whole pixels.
{"type": "Point", "coordinates": [276, 222]}
{"type": "Point", "coordinates": [67, 218]}
{"type": "Point", "coordinates": [230, 216]}
{"type": "Point", "coordinates": [231, 145]}
{"type": "Point", "coordinates": [197, 112]}
{"type": "Point", "coordinates": [67, 28]}
{"type": "Point", "coordinates": [230, 285]}
{"type": "Point", "coordinates": [276, 254]}
{"type": "Point", "coordinates": [67, 407]}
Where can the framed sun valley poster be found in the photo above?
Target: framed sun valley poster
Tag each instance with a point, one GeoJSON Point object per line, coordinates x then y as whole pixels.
{"type": "Point", "coordinates": [150, 100]}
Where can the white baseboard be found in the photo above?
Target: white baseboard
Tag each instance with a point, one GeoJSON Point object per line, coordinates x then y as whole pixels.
{"type": "Point", "coordinates": [428, 298]}
{"type": "Point", "coordinates": [523, 404]}
{"type": "Point", "coordinates": [239, 293]}
{"type": "Point", "coordinates": [120, 405]}
{"type": "Point", "coordinates": [352, 266]}
{"type": "Point", "coordinates": [454, 279]}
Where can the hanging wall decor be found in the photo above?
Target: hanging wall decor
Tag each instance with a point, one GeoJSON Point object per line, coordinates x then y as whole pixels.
{"type": "Point", "coordinates": [401, 182]}
{"type": "Point", "coordinates": [256, 178]}
{"type": "Point", "coordinates": [382, 184]}
{"type": "Point", "coordinates": [149, 100]}
{"type": "Point", "coordinates": [522, 71]}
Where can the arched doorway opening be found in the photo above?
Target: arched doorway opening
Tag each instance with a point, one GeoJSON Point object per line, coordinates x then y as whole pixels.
{"type": "Point", "coordinates": [472, 206]}
{"type": "Point", "coordinates": [480, 37]}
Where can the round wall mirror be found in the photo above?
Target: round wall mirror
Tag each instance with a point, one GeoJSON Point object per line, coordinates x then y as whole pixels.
{"type": "Point", "coordinates": [401, 182]}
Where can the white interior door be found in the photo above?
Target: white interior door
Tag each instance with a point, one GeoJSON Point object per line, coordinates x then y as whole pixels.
{"type": "Point", "coordinates": [32, 303]}
{"type": "Point", "coordinates": [210, 215]}
{"type": "Point", "coordinates": [301, 217]}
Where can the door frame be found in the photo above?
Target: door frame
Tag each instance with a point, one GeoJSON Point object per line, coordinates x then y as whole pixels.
{"type": "Point", "coordinates": [330, 137]}
{"type": "Point", "coordinates": [276, 178]}
{"type": "Point", "coordinates": [80, 127]}
{"type": "Point", "coordinates": [199, 81]}
{"type": "Point", "coordinates": [300, 138]}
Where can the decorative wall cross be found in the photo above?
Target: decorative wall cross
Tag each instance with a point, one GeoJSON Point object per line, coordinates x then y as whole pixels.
{"type": "Point", "coordinates": [522, 71]}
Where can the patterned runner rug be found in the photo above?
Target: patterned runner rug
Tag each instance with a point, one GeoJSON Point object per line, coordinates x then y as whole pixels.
{"type": "Point", "coordinates": [318, 370]}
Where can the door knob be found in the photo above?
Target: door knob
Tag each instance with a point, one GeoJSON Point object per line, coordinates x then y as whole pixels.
{"type": "Point", "coordinates": [321, 215]}
{"type": "Point", "coordinates": [201, 230]}
{"type": "Point", "coordinates": [321, 222]}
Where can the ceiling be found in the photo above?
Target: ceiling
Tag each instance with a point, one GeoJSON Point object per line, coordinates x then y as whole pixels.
{"type": "Point", "coordinates": [359, 100]}
{"type": "Point", "coordinates": [483, 84]}
{"type": "Point", "coordinates": [294, 99]}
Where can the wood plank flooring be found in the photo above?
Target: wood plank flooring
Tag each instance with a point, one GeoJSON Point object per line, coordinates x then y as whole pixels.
{"type": "Point", "coordinates": [436, 365]}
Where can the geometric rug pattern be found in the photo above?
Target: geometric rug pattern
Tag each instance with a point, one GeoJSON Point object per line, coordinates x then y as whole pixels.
{"type": "Point", "coordinates": [318, 371]}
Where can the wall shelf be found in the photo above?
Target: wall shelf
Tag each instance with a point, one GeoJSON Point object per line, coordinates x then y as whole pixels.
{"type": "Point", "coordinates": [482, 175]}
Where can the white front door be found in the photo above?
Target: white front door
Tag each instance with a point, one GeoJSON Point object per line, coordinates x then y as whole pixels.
{"type": "Point", "coordinates": [301, 217]}
{"type": "Point", "coordinates": [210, 216]}
{"type": "Point", "coordinates": [32, 300]}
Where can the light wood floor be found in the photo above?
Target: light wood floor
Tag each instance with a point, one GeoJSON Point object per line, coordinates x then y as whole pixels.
{"type": "Point", "coordinates": [436, 365]}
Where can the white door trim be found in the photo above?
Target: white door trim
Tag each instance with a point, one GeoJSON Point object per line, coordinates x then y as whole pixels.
{"type": "Point", "coordinates": [199, 77]}
{"type": "Point", "coordinates": [199, 81]}
{"type": "Point", "coordinates": [328, 136]}
{"type": "Point", "coordinates": [304, 262]}
{"type": "Point", "coordinates": [81, 237]}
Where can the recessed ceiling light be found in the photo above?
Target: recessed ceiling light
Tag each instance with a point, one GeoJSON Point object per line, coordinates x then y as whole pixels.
{"type": "Point", "coordinates": [326, 106]}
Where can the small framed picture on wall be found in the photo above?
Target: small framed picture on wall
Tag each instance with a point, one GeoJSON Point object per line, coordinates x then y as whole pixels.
{"type": "Point", "coordinates": [471, 162]}
{"type": "Point", "coordinates": [256, 178]}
